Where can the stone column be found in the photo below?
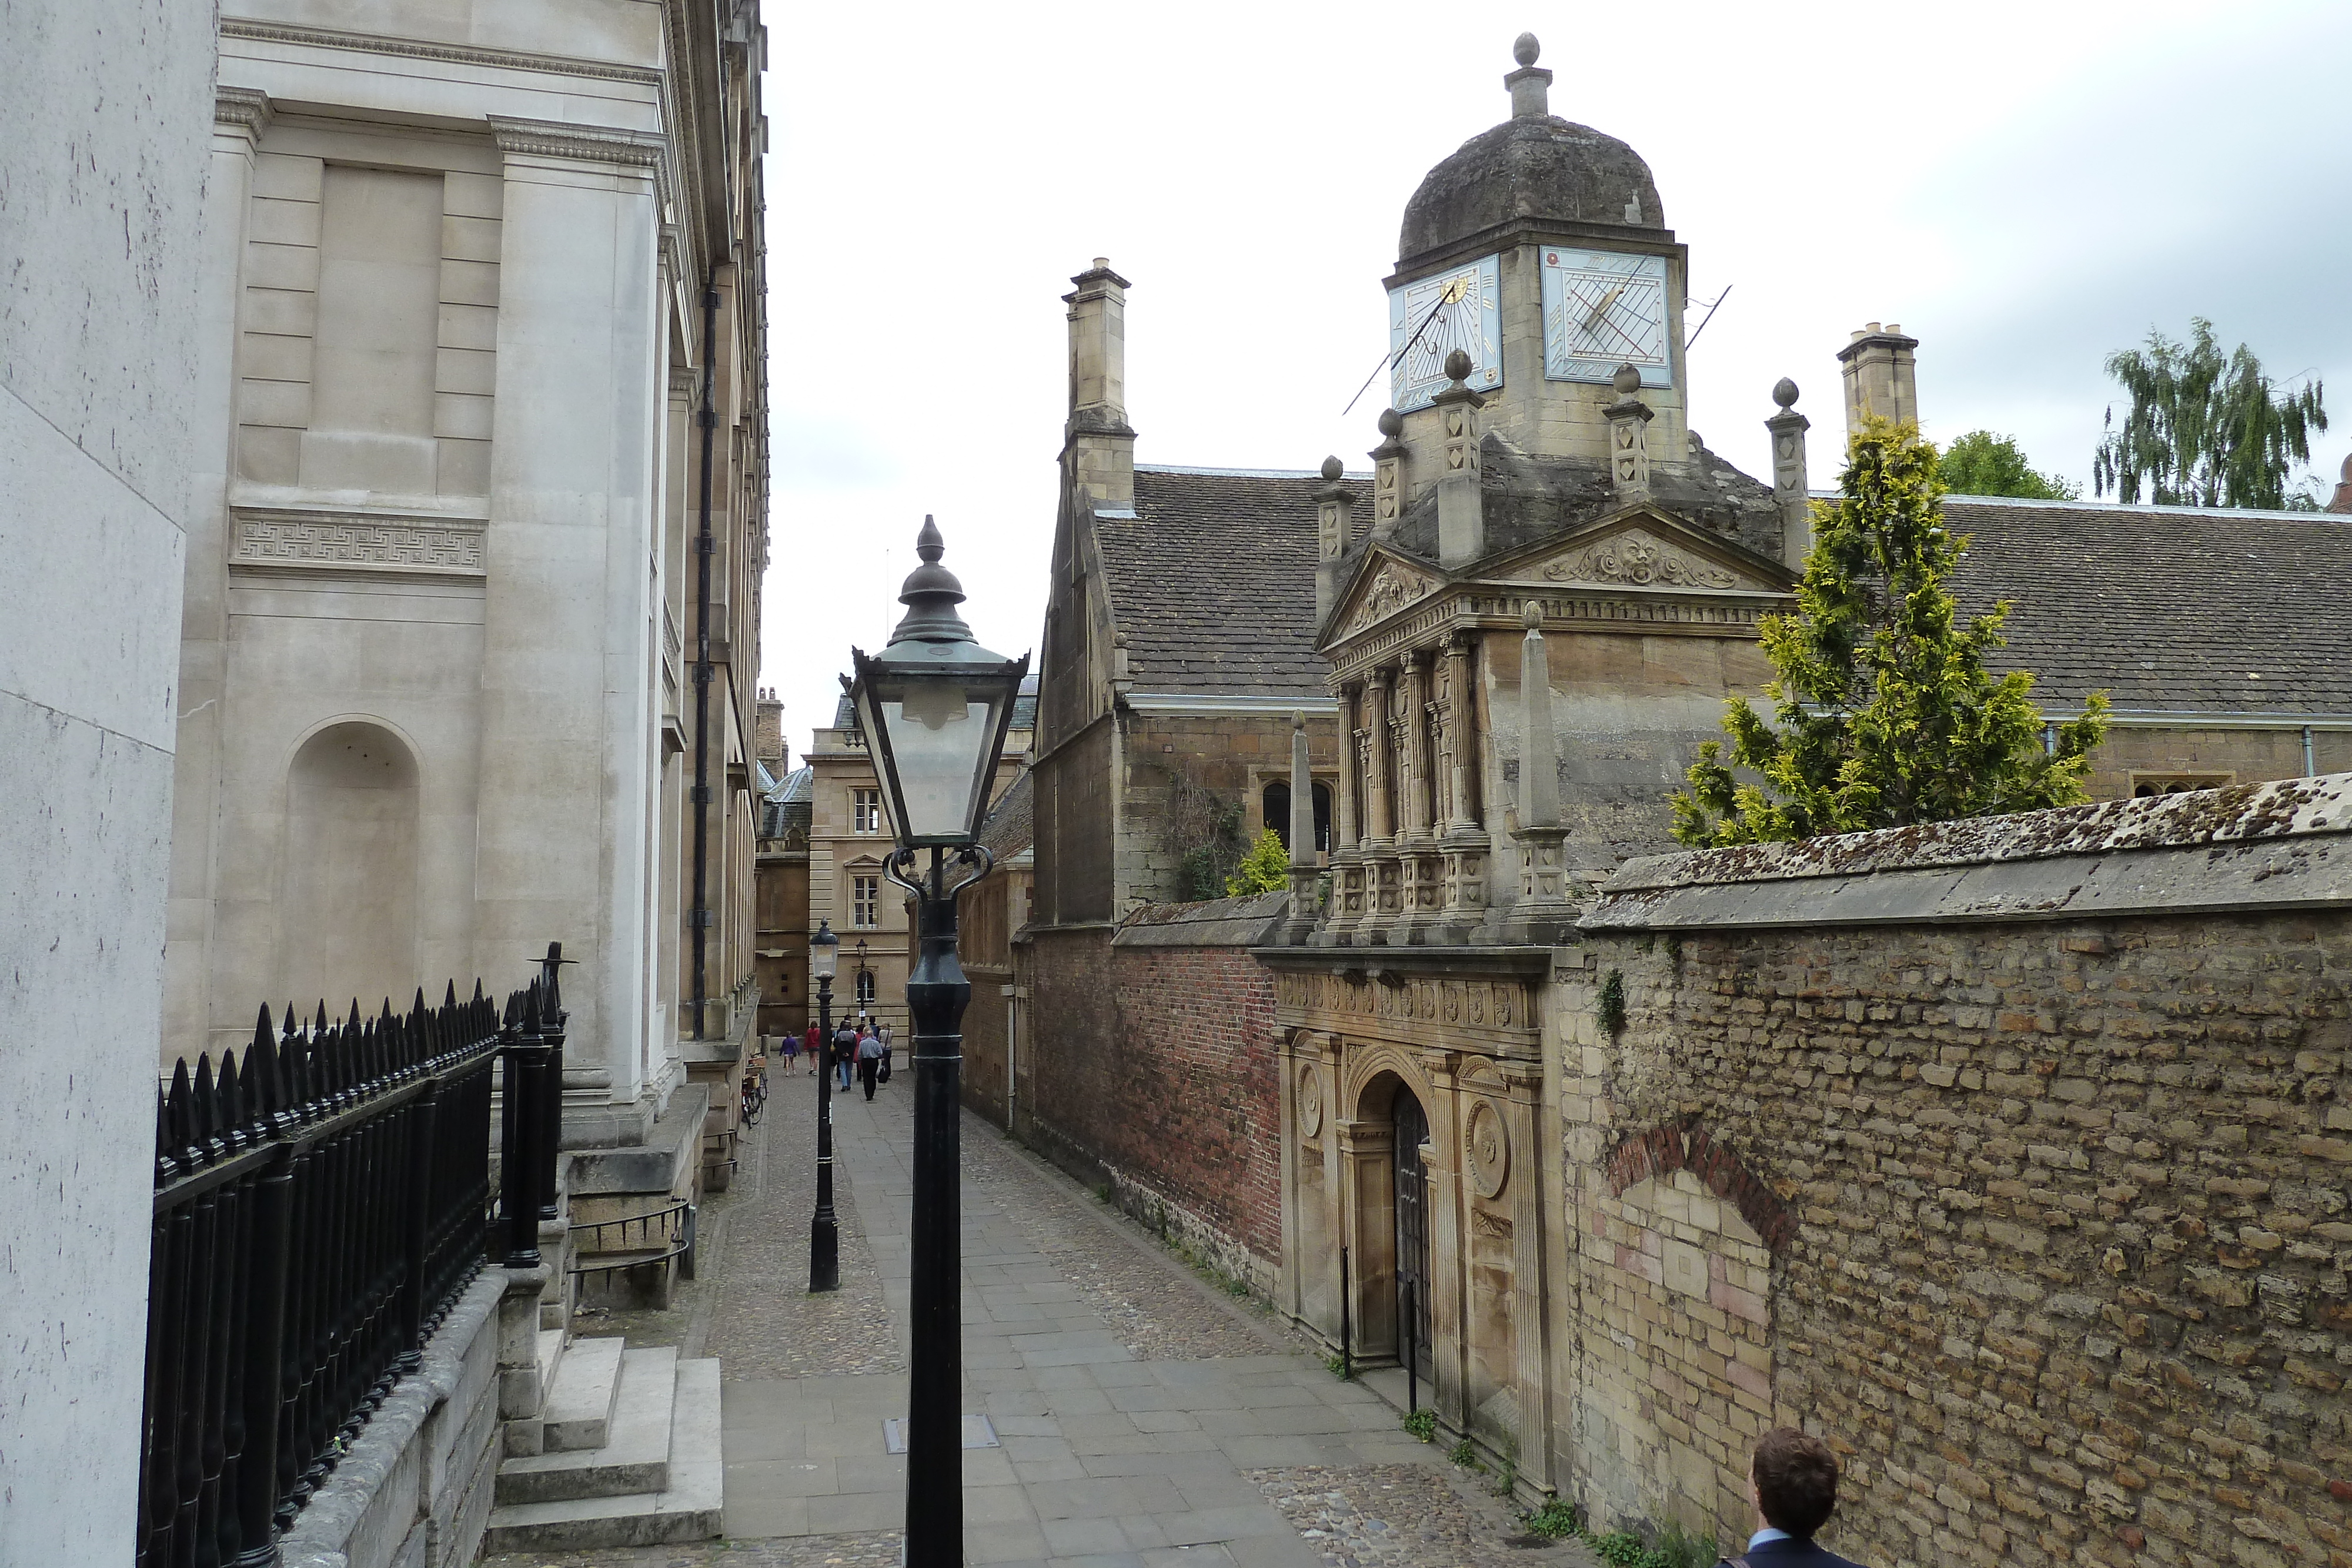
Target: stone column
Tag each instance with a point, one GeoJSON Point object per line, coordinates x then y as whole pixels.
{"type": "Point", "coordinates": [239, 117]}
{"type": "Point", "coordinates": [1629, 437]}
{"type": "Point", "coordinates": [1528, 1265]}
{"type": "Point", "coordinates": [1305, 874]}
{"type": "Point", "coordinates": [1461, 516]}
{"type": "Point", "coordinates": [1412, 734]}
{"type": "Point", "coordinates": [1788, 428]}
{"type": "Point", "coordinates": [1388, 476]}
{"type": "Point", "coordinates": [1347, 907]}
{"type": "Point", "coordinates": [1334, 527]}
{"type": "Point", "coordinates": [1542, 877]}
{"type": "Point", "coordinates": [1449, 1300]}
{"type": "Point", "coordinates": [567, 609]}
{"type": "Point", "coordinates": [1466, 845]}
{"type": "Point", "coordinates": [1380, 831]}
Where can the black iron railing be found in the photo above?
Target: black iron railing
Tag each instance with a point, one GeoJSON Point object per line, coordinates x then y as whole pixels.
{"type": "Point", "coordinates": [320, 1205]}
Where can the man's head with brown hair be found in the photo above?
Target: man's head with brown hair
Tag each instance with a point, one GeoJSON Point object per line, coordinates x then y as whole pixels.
{"type": "Point", "coordinates": [1796, 1481]}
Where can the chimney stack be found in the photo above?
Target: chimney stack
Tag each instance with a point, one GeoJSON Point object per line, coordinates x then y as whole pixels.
{"type": "Point", "coordinates": [768, 732]}
{"type": "Point", "coordinates": [1880, 377]}
{"type": "Point", "coordinates": [1097, 442]}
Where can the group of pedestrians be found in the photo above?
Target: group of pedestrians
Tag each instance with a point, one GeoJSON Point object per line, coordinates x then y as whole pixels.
{"type": "Point", "coordinates": [858, 1048]}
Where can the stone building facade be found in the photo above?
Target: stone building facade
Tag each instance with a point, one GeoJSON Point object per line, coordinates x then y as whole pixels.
{"type": "Point", "coordinates": [484, 318]}
{"type": "Point", "coordinates": [105, 107]}
{"type": "Point", "coordinates": [781, 920]}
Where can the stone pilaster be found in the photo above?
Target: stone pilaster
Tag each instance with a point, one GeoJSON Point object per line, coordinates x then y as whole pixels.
{"type": "Point", "coordinates": [1788, 429]}
{"type": "Point", "coordinates": [1543, 875]}
{"type": "Point", "coordinates": [1388, 475]}
{"type": "Point", "coordinates": [1629, 438]}
{"type": "Point", "coordinates": [1462, 741]}
{"type": "Point", "coordinates": [1460, 516]}
{"type": "Point", "coordinates": [1305, 874]}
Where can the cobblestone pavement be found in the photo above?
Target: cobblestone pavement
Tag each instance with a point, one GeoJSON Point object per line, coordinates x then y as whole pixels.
{"type": "Point", "coordinates": [750, 1307]}
{"type": "Point", "coordinates": [1405, 1516]}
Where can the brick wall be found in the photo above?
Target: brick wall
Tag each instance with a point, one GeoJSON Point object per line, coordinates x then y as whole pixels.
{"type": "Point", "coordinates": [1153, 1068]}
{"type": "Point", "coordinates": [2061, 1202]}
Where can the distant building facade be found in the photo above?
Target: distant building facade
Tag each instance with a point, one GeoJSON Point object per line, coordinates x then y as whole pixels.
{"type": "Point", "coordinates": [780, 946]}
{"type": "Point", "coordinates": [848, 840]}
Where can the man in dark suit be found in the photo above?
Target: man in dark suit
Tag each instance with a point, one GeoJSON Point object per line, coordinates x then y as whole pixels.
{"type": "Point", "coordinates": [1795, 1480]}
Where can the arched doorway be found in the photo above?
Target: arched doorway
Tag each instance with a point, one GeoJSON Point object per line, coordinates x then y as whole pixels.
{"type": "Point", "coordinates": [1411, 1191]}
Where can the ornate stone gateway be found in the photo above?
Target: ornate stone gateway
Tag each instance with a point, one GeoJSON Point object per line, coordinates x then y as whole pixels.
{"type": "Point", "coordinates": [1413, 1099]}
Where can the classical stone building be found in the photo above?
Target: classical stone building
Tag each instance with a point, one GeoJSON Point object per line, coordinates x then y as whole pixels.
{"type": "Point", "coordinates": [483, 314]}
{"type": "Point", "coordinates": [849, 838]}
{"type": "Point", "coordinates": [782, 880]}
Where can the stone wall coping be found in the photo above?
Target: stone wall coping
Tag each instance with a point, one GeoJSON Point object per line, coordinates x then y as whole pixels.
{"type": "Point", "coordinates": [321, 1533]}
{"type": "Point", "coordinates": [1215, 922]}
{"type": "Point", "coordinates": [2251, 846]}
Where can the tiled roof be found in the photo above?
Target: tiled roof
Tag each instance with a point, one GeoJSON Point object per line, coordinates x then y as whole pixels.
{"type": "Point", "coordinates": [1011, 826]}
{"type": "Point", "coordinates": [2166, 609]}
{"type": "Point", "coordinates": [788, 804]}
{"type": "Point", "coordinates": [1213, 579]}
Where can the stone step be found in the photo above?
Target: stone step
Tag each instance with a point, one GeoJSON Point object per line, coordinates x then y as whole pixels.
{"type": "Point", "coordinates": [579, 1409]}
{"type": "Point", "coordinates": [634, 1459]}
{"type": "Point", "coordinates": [690, 1508]}
{"type": "Point", "coordinates": [549, 1351]}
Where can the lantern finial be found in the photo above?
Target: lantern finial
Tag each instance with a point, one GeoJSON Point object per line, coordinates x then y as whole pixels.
{"type": "Point", "coordinates": [931, 594]}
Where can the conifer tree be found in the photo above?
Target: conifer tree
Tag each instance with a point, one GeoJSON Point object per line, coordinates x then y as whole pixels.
{"type": "Point", "coordinates": [1884, 713]}
{"type": "Point", "coordinates": [1265, 869]}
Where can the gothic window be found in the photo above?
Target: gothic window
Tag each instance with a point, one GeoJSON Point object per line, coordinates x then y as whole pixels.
{"type": "Point", "coordinates": [1277, 805]}
{"type": "Point", "coordinates": [865, 902]}
{"type": "Point", "coordinates": [866, 807]}
{"type": "Point", "coordinates": [2145, 785]}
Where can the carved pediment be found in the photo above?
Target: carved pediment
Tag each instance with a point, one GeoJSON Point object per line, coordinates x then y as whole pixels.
{"type": "Point", "coordinates": [1639, 558]}
{"type": "Point", "coordinates": [1389, 589]}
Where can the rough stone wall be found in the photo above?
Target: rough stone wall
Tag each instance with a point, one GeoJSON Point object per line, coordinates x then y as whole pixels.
{"type": "Point", "coordinates": [1153, 1068]}
{"type": "Point", "coordinates": [2056, 1210]}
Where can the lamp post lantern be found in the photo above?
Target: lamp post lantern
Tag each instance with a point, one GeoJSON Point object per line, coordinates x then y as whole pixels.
{"type": "Point", "coordinates": [825, 1230]}
{"type": "Point", "coordinates": [934, 707]}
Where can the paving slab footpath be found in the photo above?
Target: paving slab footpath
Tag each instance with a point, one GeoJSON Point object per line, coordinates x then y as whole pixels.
{"type": "Point", "coordinates": [1142, 1418]}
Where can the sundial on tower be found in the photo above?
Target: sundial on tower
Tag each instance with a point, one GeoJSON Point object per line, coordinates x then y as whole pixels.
{"type": "Point", "coordinates": [1431, 317]}
{"type": "Point", "coordinates": [1603, 309]}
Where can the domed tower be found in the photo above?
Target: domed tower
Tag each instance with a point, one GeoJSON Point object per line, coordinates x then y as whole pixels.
{"type": "Point", "coordinates": [1539, 249]}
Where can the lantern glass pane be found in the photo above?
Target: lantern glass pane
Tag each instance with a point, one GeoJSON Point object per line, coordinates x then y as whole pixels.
{"type": "Point", "coordinates": [824, 958]}
{"type": "Point", "coordinates": [940, 732]}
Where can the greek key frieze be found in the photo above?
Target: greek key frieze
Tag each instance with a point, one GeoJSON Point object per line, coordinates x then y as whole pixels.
{"type": "Point", "coordinates": [328, 539]}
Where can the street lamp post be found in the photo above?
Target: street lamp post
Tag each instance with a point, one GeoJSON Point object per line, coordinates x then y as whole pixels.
{"type": "Point", "coordinates": [934, 707]}
{"type": "Point", "coordinates": [825, 1230]}
{"type": "Point", "coordinates": [864, 985]}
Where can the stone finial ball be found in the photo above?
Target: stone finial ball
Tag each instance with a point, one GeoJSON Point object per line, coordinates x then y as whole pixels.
{"type": "Point", "coordinates": [1525, 49]}
{"type": "Point", "coordinates": [1627, 380]}
{"type": "Point", "coordinates": [1458, 365]}
{"type": "Point", "coordinates": [1392, 423]}
{"type": "Point", "coordinates": [1333, 468]}
{"type": "Point", "coordinates": [1531, 615]}
{"type": "Point", "coordinates": [1784, 392]}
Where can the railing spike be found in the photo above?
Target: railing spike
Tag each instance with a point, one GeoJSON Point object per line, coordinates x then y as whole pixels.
{"type": "Point", "coordinates": [231, 1105]}
{"type": "Point", "coordinates": [449, 999]}
{"type": "Point", "coordinates": [180, 1099]}
{"type": "Point", "coordinates": [201, 1100]}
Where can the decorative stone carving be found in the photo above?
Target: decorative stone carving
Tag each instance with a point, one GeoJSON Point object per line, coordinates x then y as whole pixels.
{"type": "Point", "coordinates": [1484, 1004]}
{"type": "Point", "coordinates": [1311, 1103]}
{"type": "Point", "coordinates": [1390, 592]}
{"type": "Point", "coordinates": [1640, 558]}
{"type": "Point", "coordinates": [1495, 1225]}
{"type": "Point", "coordinates": [326, 538]}
{"type": "Point", "coordinates": [1488, 1147]}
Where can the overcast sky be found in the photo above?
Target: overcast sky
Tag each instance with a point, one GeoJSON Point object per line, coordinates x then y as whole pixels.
{"type": "Point", "coordinates": [2024, 186]}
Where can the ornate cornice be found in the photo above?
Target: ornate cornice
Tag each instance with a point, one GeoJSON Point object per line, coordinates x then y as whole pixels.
{"type": "Point", "coordinates": [244, 106]}
{"type": "Point", "coordinates": [564, 139]}
{"type": "Point", "coordinates": [417, 48]}
{"type": "Point", "coordinates": [343, 540]}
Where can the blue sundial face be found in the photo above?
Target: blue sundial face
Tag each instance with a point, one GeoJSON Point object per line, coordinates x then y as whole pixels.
{"type": "Point", "coordinates": [1431, 317]}
{"type": "Point", "coordinates": [1602, 310]}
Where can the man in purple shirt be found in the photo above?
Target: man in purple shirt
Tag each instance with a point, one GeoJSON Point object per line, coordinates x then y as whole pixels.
{"type": "Point", "coordinates": [1795, 1480]}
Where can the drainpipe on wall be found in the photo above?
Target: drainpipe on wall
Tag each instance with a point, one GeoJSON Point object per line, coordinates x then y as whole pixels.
{"type": "Point", "coordinates": [709, 418]}
{"type": "Point", "coordinates": [2310, 767]}
{"type": "Point", "coordinates": [1011, 1016]}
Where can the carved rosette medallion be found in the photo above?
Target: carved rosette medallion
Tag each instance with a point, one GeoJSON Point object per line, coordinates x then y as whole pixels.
{"type": "Point", "coordinates": [1488, 1147]}
{"type": "Point", "coordinates": [1311, 1103]}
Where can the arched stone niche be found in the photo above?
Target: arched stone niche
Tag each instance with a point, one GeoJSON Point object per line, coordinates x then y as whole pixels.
{"type": "Point", "coordinates": [347, 893]}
